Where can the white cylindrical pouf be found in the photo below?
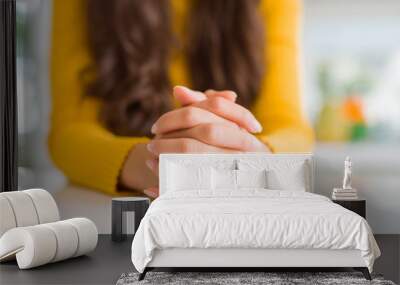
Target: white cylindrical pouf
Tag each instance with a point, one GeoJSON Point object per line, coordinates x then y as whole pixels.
{"type": "Point", "coordinates": [23, 208]}
{"type": "Point", "coordinates": [33, 246]}
{"type": "Point", "coordinates": [67, 239]}
{"type": "Point", "coordinates": [40, 244]}
{"type": "Point", "coordinates": [87, 234]}
{"type": "Point", "coordinates": [45, 205]}
{"type": "Point", "coordinates": [7, 218]}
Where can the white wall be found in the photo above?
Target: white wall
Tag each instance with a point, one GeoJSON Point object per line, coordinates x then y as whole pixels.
{"type": "Point", "coordinates": [326, 24]}
{"type": "Point", "coordinates": [35, 168]}
{"type": "Point", "coordinates": [376, 176]}
{"type": "Point", "coordinates": [346, 28]}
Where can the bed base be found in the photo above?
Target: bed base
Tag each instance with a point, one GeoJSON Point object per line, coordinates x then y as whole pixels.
{"type": "Point", "coordinates": [250, 259]}
{"type": "Point", "coordinates": [363, 270]}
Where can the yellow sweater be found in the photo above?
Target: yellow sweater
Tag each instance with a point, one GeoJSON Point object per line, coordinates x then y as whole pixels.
{"type": "Point", "coordinates": [91, 156]}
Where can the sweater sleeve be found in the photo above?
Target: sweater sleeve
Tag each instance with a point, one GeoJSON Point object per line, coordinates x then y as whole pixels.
{"type": "Point", "coordinates": [87, 153]}
{"type": "Point", "coordinates": [278, 107]}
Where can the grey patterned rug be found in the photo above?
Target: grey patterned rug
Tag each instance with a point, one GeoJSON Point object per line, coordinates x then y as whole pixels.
{"type": "Point", "coordinates": [269, 278]}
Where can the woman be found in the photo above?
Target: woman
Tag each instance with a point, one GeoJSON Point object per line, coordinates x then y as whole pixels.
{"type": "Point", "coordinates": [114, 64]}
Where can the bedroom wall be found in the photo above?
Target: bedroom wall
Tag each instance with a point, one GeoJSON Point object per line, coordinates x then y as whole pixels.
{"type": "Point", "coordinates": [376, 165]}
{"type": "Point", "coordinates": [365, 31]}
{"type": "Point", "coordinates": [376, 176]}
{"type": "Point", "coordinates": [35, 168]}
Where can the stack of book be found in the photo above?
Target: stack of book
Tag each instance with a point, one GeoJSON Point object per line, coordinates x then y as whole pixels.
{"type": "Point", "coordinates": [344, 194]}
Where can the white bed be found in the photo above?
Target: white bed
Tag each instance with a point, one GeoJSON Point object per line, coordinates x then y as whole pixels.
{"type": "Point", "coordinates": [202, 226]}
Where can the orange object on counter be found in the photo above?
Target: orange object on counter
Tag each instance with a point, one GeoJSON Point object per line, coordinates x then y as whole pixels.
{"type": "Point", "coordinates": [353, 109]}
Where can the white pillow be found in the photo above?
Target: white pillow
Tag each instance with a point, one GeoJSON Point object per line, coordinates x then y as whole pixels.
{"type": "Point", "coordinates": [251, 178]}
{"type": "Point", "coordinates": [291, 179]}
{"type": "Point", "coordinates": [182, 177]}
{"type": "Point", "coordinates": [288, 174]}
{"type": "Point", "coordinates": [224, 179]}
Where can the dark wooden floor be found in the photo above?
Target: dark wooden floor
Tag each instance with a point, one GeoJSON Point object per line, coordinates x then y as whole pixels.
{"type": "Point", "coordinates": [110, 260]}
{"type": "Point", "coordinates": [389, 262]}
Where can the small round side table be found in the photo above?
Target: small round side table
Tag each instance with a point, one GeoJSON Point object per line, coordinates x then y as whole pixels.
{"type": "Point", "coordinates": [127, 212]}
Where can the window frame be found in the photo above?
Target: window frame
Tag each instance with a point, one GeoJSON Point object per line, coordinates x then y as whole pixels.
{"type": "Point", "coordinates": [8, 98]}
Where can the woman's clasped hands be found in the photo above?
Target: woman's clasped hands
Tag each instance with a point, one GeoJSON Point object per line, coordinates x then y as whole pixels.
{"type": "Point", "coordinates": [209, 122]}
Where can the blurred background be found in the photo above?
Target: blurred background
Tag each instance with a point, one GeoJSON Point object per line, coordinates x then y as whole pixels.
{"type": "Point", "coordinates": [351, 93]}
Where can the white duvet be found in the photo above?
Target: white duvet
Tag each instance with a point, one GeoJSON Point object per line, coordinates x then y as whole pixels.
{"type": "Point", "coordinates": [250, 218]}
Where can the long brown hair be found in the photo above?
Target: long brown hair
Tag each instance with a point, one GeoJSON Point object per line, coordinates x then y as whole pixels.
{"type": "Point", "coordinates": [130, 42]}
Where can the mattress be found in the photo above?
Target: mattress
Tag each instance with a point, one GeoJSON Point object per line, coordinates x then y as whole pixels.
{"type": "Point", "coordinates": [250, 219]}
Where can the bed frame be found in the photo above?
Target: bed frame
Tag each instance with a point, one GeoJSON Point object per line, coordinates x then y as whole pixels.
{"type": "Point", "coordinates": [240, 260]}
{"type": "Point", "coordinates": [250, 259]}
